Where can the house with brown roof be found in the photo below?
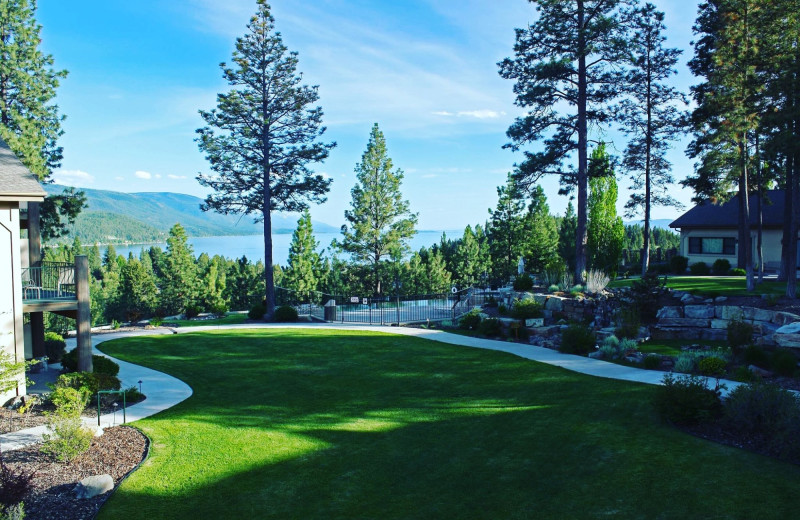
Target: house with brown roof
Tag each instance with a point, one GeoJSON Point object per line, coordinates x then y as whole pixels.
{"type": "Point", "coordinates": [710, 231]}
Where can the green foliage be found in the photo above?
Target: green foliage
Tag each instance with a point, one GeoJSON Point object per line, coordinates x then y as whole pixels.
{"type": "Point", "coordinates": [523, 282]}
{"type": "Point", "coordinates": [784, 362]}
{"type": "Point", "coordinates": [628, 322]}
{"type": "Point", "coordinates": [553, 288]}
{"type": "Point", "coordinates": [643, 296]}
{"type": "Point", "coordinates": [14, 486]}
{"type": "Point", "coordinates": [490, 327]}
{"type": "Point", "coordinates": [192, 310]}
{"type": "Point", "coordinates": [100, 364]}
{"type": "Point", "coordinates": [179, 274]}
{"type": "Point", "coordinates": [766, 414]}
{"type": "Point", "coordinates": [285, 313]}
{"type": "Point", "coordinates": [652, 362]}
{"type": "Point", "coordinates": [566, 237]}
{"type": "Point", "coordinates": [755, 355]}
{"type": "Point", "coordinates": [605, 232]}
{"type": "Point", "coordinates": [257, 312]}
{"type": "Point", "coordinates": [699, 269]}
{"type": "Point", "coordinates": [686, 400]}
{"type": "Point", "coordinates": [526, 309]}
{"type": "Point", "coordinates": [55, 346]}
{"type": "Point", "coordinates": [304, 265]}
{"type": "Point", "coordinates": [577, 339]}
{"type": "Point", "coordinates": [712, 366]}
{"type": "Point", "coordinates": [744, 375]}
{"type": "Point", "coordinates": [720, 267]}
{"type": "Point", "coordinates": [506, 230]}
{"type": "Point", "coordinates": [678, 264]}
{"type": "Point", "coordinates": [471, 320]}
{"type": "Point", "coordinates": [133, 395]}
{"type": "Point", "coordinates": [686, 363]}
{"type": "Point", "coordinates": [737, 272]}
{"type": "Point", "coordinates": [68, 438]}
{"type": "Point", "coordinates": [89, 382]}
{"type": "Point", "coordinates": [540, 233]}
{"type": "Point", "coordinates": [740, 333]}
{"type": "Point", "coordinates": [470, 259]}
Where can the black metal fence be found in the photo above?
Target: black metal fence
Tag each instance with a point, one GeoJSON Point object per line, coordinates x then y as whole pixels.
{"type": "Point", "coordinates": [382, 310]}
{"type": "Point", "coordinates": [49, 281]}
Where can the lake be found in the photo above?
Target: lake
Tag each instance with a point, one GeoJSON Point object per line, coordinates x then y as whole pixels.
{"type": "Point", "coordinates": [252, 246]}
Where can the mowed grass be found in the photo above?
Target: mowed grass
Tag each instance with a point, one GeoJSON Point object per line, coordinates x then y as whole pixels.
{"type": "Point", "coordinates": [228, 319]}
{"type": "Point", "coordinates": [347, 424]}
{"type": "Point", "coordinates": [714, 285]}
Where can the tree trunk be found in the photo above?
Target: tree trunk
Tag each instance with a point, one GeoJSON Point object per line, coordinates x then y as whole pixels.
{"type": "Point", "coordinates": [744, 201]}
{"type": "Point", "coordinates": [647, 194]}
{"type": "Point", "coordinates": [760, 201]}
{"type": "Point", "coordinates": [583, 143]}
{"type": "Point", "coordinates": [786, 242]}
{"type": "Point", "coordinates": [269, 279]}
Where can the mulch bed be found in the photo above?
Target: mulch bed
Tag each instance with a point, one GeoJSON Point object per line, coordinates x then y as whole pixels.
{"type": "Point", "coordinates": [117, 452]}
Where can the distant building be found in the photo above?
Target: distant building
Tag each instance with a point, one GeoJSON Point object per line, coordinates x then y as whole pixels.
{"type": "Point", "coordinates": [711, 231]}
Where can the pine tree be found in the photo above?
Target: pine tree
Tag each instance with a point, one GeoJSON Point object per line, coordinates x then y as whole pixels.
{"type": "Point", "coordinates": [606, 232]}
{"type": "Point", "coordinates": [379, 221]}
{"type": "Point", "coordinates": [566, 237]}
{"type": "Point", "coordinates": [506, 230]}
{"type": "Point", "coordinates": [540, 233]}
{"type": "Point", "coordinates": [137, 294]}
{"type": "Point", "coordinates": [652, 118]}
{"type": "Point", "coordinates": [303, 272]}
{"type": "Point", "coordinates": [565, 61]}
{"type": "Point", "coordinates": [263, 135]}
{"type": "Point", "coordinates": [179, 283]}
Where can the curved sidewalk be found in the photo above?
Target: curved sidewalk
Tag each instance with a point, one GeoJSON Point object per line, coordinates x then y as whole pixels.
{"type": "Point", "coordinates": [163, 391]}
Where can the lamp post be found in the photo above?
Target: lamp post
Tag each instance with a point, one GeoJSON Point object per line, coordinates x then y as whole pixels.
{"type": "Point", "coordinates": [140, 386]}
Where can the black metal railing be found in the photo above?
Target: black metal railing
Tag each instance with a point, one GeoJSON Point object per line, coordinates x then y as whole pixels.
{"type": "Point", "coordinates": [49, 281]}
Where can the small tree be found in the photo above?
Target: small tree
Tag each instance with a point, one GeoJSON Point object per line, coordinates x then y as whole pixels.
{"type": "Point", "coordinates": [606, 231]}
{"type": "Point", "coordinates": [179, 283]}
{"type": "Point", "coordinates": [303, 271]}
{"type": "Point", "coordinates": [506, 230]}
{"type": "Point", "coordinates": [262, 136]}
{"type": "Point", "coordinates": [379, 221]}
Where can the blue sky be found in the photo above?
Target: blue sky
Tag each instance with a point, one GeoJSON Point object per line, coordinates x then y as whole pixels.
{"type": "Point", "coordinates": [425, 70]}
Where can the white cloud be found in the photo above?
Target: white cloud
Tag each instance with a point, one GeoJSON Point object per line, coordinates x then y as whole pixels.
{"type": "Point", "coordinates": [481, 114]}
{"type": "Point", "coordinates": [176, 177]}
{"type": "Point", "coordinates": [143, 175]}
{"type": "Point", "coordinates": [157, 176]}
{"type": "Point", "coordinates": [444, 113]}
{"type": "Point", "coordinates": [73, 177]}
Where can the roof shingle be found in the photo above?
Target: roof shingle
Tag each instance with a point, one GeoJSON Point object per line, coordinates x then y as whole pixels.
{"type": "Point", "coordinates": [726, 215]}
{"type": "Point", "coordinates": [16, 181]}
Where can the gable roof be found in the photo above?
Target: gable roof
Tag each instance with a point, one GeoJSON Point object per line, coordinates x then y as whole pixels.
{"type": "Point", "coordinates": [16, 181]}
{"type": "Point", "coordinates": [726, 215]}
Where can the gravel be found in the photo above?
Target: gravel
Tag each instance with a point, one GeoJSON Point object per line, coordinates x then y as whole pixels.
{"type": "Point", "coordinates": [117, 452]}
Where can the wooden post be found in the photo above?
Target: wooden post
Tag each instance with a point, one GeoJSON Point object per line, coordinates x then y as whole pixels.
{"type": "Point", "coordinates": [83, 320]}
{"type": "Point", "coordinates": [35, 260]}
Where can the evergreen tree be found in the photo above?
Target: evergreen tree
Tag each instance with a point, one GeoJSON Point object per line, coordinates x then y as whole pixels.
{"type": "Point", "coordinates": [606, 230]}
{"type": "Point", "coordinates": [303, 272]}
{"type": "Point", "coordinates": [212, 286]}
{"type": "Point", "coordinates": [506, 230]}
{"type": "Point", "coordinates": [137, 294]}
{"type": "Point", "coordinates": [566, 237]}
{"type": "Point", "coordinates": [266, 136]}
{"type": "Point", "coordinates": [651, 117]}
{"type": "Point", "coordinates": [565, 60]}
{"type": "Point", "coordinates": [244, 284]}
{"type": "Point", "coordinates": [540, 233]}
{"type": "Point", "coordinates": [471, 261]}
{"type": "Point", "coordinates": [379, 222]}
{"type": "Point", "coordinates": [179, 282]}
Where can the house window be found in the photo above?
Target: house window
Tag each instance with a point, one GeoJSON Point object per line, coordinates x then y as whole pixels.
{"type": "Point", "coordinates": [712, 246]}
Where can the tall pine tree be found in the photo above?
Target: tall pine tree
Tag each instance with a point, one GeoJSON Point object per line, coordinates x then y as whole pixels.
{"type": "Point", "coordinates": [304, 264]}
{"type": "Point", "coordinates": [263, 135]}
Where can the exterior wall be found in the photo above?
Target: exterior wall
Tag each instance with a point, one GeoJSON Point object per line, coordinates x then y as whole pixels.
{"type": "Point", "coordinates": [11, 331]}
{"type": "Point", "coordinates": [771, 246]}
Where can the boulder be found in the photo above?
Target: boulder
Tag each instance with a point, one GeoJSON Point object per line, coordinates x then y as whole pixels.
{"type": "Point", "coordinates": [698, 311]}
{"type": "Point", "coordinates": [720, 299]}
{"type": "Point", "coordinates": [92, 486]}
{"type": "Point", "coordinates": [554, 304]}
{"type": "Point", "coordinates": [719, 324]}
{"type": "Point", "coordinates": [760, 371]}
{"type": "Point", "coordinates": [687, 298]}
{"type": "Point", "coordinates": [781, 318]}
{"type": "Point", "coordinates": [671, 311]}
{"type": "Point", "coordinates": [790, 328]}
{"type": "Point", "coordinates": [597, 354]}
{"type": "Point", "coordinates": [683, 322]}
{"type": "Point", "coordinates": [786, 340]}
{"type": "Point", "coordinates": [728, 312]}
{"type": "Point", "coordinates": [754, 313]}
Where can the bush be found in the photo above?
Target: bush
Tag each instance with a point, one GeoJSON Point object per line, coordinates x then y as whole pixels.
{"type": "Point", "coordinates": [627, 323]}
{"type": "Point", "coordinates": [784, 362]}
{"type": "Point", "coordinates": [744, 375]}
{"type": "Point", "coordinates": [100, 364]}
{"type": "Point", "coordinates": [686, 400]}
{"type": "Point", "coordinates": [490, 327]}
{"type": "Point", "coordinates": [699, 269]}
{"type": "Point", "coordinates": [720, 267]}
{"type": "Point", "coordinates": [739, 334]}
{"type": "Point", "coordinates": [285, 313]}
{"type": "Point", "coordinates": [577, 339]}
{"type": "Point", "coordinates": [755, 355]}
{"type": "Point", "coordinates": [685, 363]}
{"type": "Point", "coordinates": [90, 382]}
{"type": "Point", "coordinates": [712, 366]}
{"type": "Point", "coordinates": [191, 311]}
{"type": "Point", "coordinates": [68, 438]}
{"type": "Point", "coordinates": [523, 282]}
{"type": "Point", "coordinates": [14, 486]}
{"type": "Point", "coordinates": [502, 310]}
{"type": "Point", "coordinates": [219, 309]}
{"type": "Point", "coordinates": [257, 312]}
{"type": "Point", "coordinates": [526, 309]}
{"type": "Point", "coordinates": [54, 346]}
{"type": "Point", "coordinates": [553, 288]}
{"type": "Point", "coordinates": [678, 264]}
{"type": "Point", "coordinates": [737, 271]}
{"type": "Point", "coordinates": [652, 362]}
{"type": "Point", "coordinates": [471, 320]}
{"type": "Point", "coordinates": [133, 395]}
{"type": "Point", "coordinates": [767, 414]}
{"type": "Point", "coordinates": [643, 297]}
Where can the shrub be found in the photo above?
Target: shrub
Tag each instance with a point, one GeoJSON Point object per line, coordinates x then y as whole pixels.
{"type": "Point", "coordinates": [596, 281]}
{"type": "Point", "coordinates": [678, 264]}
{"type": "Point", "coordinates": [686, 400]}
{"type": "Point", "coordinates": [739, 333]}
{"type": "Point", "coordinates": [699, 269]}
{"type": "Point", "coordinates": [627, 323]}
{"type": "Point", "coordinates": [784, 362]}
{"type": "Point", "coordinates": [219, 309]}
{"type": "Point", "coordinates": [526, 309]}
{"type": "Point", "coordinates": [90, 382]}
{"type": "Point", "coordinates": [577, 339]}
{"type": "Point", "coordinates": [191, 311]}
{"type": "Point", "coordinates": [553, 288]}
{"type": "Point", "coordinates": [14, 486]}
{"type": "Point", "coordinates": [685, 363]}
{"type": "Point", "coordinates": [755, 355]}
{"type": "Point", "coordinates": [285, 313]}
{"type": "Point", "coordinates": [100, 364]}
{"type": "Point", "coordinates": [737, 271]}
{"type": "Point", "coordinates": [712, 366]}
{"type": "Point", "coordinates": [471, 320]}
{"type": "Point", "coordinates": [502, 310]}
{"type": "Point", "coordinates": [523, 282]}
{"type": "Point", "coordinates": [490, 327]}
{"type": "Point", "coordinates": [68, 438]}
{"type": "Point", "coordinates": [54, 346]}
{"type": "Point", "coordinates": [133, 395]}
{"type": "Point", "coordinates": [257, 312]}
{"type": "Point", "coordinates": [767, 414]}
{"type": "Point", "coordinates": [643, 297]}
{"type": "Point", "coordinates": [156, 321]}
{"type": "Point", "coordinates": [720, 267]}
{"type": "Point", "coordinates": [744, 374]}
{"type": "Point", "coordinates": [652, 362]}
{"type": "Point", "coordinates": [576, 290]}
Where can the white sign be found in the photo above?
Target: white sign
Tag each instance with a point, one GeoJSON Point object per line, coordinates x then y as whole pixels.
{"type": "Point", "coordinates": [454, 289]}
{"type": "Point", "coordinates": [534, 322]}
{"type": "Point", "coordinates": [354, 299]}
{"type": "Point", "coordinates": [364, 301]}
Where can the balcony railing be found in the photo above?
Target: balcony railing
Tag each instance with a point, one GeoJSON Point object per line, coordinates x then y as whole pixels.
{"type": "Point", "coordinates": [49, 281]}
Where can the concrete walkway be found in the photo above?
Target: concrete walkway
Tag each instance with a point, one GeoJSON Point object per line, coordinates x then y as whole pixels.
{"type": "Point", "coordinates": [164, 391]}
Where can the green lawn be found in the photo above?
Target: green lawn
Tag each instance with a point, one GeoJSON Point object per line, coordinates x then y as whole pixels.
{"type": "Point", "coordinates": [228, 319]}
{"type": "Point", "coordinates": [714, 285]}
{"type": "Point", "coordinates": [323, 424]}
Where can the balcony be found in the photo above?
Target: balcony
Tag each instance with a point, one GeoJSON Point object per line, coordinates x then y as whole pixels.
{"type": "Point", "coordinates": [50, 287]}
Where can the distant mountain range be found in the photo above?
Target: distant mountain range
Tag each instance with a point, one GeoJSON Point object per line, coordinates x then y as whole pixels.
{"type": "Point", "coordinates": [115, 217]}
{"type": "Point", "coordinates": [655, 223]}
